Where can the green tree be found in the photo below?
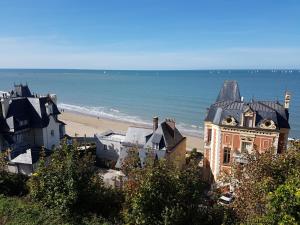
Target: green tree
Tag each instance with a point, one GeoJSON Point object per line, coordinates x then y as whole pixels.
{"type": "Point", "coordinates": [10, 183]}
{"type": "Point", "coordinates": [69, 183]}
{"type": "Point", "coordinates": [283, 205]}
{"type": "Point", "coordinates": [163, 194]}
{"type": "Point", "coordinates": [264, 181]}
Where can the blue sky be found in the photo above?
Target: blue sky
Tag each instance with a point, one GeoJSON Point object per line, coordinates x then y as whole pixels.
{"type": "Point", "coordinates": [150, 34]}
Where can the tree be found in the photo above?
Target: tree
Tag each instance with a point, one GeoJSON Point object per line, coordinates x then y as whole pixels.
{"type": "Point", "coordinates": [163, 194]}
{"type": "Point", "coordinates": [283, 205]}
{"type": "Point", "coordinates": [69, 183]}
{"type": "Point", "coordinates": [195, 156]}
{"type": "Point", "coordinates": [264, 181]}
{"type": "Point", "coordinates": [10, 183]}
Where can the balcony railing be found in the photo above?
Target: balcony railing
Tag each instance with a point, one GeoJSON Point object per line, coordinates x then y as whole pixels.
{"type": "Point", "coordinates": [240, 158]}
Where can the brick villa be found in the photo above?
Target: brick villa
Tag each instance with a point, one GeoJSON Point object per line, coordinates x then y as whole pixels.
{"type": "Point", "coordinates": [233, 126]}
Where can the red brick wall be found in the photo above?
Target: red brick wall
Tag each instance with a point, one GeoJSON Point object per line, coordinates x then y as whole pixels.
{"type": "Point", "coordinates": [263, 143]}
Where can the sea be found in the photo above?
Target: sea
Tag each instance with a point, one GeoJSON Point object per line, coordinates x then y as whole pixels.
{"type": "Point", "coordinates": [137, 96]}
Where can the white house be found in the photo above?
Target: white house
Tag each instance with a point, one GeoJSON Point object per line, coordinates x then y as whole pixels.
{"type": "Point", "coordinates": [163, 140]}
{"type": "Point", "coordinates": [27, 122]}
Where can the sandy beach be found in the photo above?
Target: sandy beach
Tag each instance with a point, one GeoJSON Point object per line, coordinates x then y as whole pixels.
{"type": "Point", "coordinates": [89, 125]}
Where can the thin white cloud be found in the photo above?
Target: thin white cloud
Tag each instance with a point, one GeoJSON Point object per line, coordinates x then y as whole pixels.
{"type": "Point", "coordinates": [53, 52]}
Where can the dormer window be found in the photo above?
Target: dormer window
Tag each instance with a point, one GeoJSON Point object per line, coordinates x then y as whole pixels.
{"type": "Point", "coordinates": [230, 121]}
{"type": "Point", "coordinates": [268, 124]}
{"type": "Point", "coordinates": [249, 118]}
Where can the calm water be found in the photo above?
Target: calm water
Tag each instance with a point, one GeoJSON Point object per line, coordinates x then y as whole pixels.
{"type": "Point", "coordinates": [139, 95]}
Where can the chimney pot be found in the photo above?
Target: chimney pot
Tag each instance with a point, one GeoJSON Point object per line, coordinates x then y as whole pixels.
{"type": "Point", "coordinates": [287, 99]}
{"type": "Point", "coordinates": [155, 123]}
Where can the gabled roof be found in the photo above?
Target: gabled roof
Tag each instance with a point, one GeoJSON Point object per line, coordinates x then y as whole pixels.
{"type": "Point", "coordinates": [165, 136]}
{"type": "Point", "coordinates": [21, 109]}
{"type": "Point", "coordinates": [27, 111]}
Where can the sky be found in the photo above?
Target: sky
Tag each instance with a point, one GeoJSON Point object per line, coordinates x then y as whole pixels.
{"type": "Point", "coordinates": [150, 34]}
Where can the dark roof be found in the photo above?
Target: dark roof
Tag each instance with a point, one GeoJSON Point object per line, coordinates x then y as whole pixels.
{"type": "Point", "coordinates": [230, 105]}
{"type": "Point", "coordinates": [229, 92]}
{"type": "Point", "coordinates": [21, 91]}
{"type": "Point", "coordinates": [165, 136]}
{"type": "Point", "coordinates": [3, 125]}
{"type": "Point", "coordinates": [34, 112]}
{"type": "Point", "coordinates": [27, 112]}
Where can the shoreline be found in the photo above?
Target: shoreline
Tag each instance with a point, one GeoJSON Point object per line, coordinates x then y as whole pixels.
{"type": "Point", "coordinates": [83, 124]}
{"type": "Point", "coordinates": [112, 115]}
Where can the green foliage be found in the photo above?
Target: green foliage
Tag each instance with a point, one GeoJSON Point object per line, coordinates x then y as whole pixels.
{"type": "Point", "coordinates": [11, 184]}
{"type": "Point", "coordinates": [69, 183]}
{"type": "Point", "coordinates": [162, 194]}
{"type": "Point", "coordinates": [194, 156]}
{"type": "Point", "coordinates": [267, 191]}
{"type": "Point", "coordinates": [15, 211]}
{"type": "Point", "coordinates": [284, 203]}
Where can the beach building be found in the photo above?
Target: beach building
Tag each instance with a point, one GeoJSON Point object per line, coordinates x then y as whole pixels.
{"type": "Point", "coordinates": [163, 141]}
{"type": "Point", "coordinates": [27, 123]}
{"type": "Point", "coordinates": [109, 146]}
{"type": "Point", "coordinates": [233, 127]}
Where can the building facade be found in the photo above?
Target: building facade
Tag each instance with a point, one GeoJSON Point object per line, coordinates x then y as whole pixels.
{"type": "Point", "coordinates": [28, 122]}
{"type": "Point", "coordinates": [233, 127]}
{"type": "Point", "coordinates": [163, 141]}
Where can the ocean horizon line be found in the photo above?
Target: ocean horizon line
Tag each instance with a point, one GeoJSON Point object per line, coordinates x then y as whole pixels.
{"type": "Point", "coordinates": [154, 70]}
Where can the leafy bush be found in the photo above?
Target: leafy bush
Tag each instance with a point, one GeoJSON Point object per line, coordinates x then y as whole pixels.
{"type": "Point", "coordinates": [69, 182]}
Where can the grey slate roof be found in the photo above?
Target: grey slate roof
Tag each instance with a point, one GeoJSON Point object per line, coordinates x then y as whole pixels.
{"type": "Point", "coordinates": [30, 156]}
{"type": "Point", "coordinates": [21, 91]}
{"type": "Point", "coordinates": [230, 105]}
{"type": "Point", "coordinates": [137, 135]}
{"type": "Point", "coordinates": [230, 91]}
{"type": "Point", "coordinates": [23, 106]}
{"type": "Point", "coordinates": [21, 109]}
{"type": "Point", "coordinates": [165, 137]}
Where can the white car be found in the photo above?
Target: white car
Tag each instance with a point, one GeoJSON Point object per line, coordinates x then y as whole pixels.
{"type": "Point", "coordinates": [226, 198]}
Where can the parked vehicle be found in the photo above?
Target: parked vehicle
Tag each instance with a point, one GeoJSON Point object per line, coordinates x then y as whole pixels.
{"type": "Point", "coordinates": [226, 198]}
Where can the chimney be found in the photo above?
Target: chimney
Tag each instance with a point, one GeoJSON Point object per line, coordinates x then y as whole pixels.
{"type": "Point", "coordinates": [155, 123]}
{"type": "Point", "coordinates": [287, 99]}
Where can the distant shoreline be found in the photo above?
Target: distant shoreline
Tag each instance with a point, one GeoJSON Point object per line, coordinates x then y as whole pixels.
{"type": "Point", "coordinates": [130, 120]}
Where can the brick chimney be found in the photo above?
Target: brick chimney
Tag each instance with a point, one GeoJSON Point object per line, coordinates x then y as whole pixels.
{"type": "Point", "coordinates": [155, 123]}
{"type": "Point", "coordinates": [171, 123]}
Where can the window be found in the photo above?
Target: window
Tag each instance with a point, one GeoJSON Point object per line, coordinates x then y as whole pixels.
{"type": "Point", "coordinates": [52, 132]}
{"type": "Point", "coordinates": [226, 157]}
{"type": "Point", "coordinates": [248, 121]}
{"type": "Point", "coordinates": [104, 147]}
{"type": "Point", "coordinates": [246, 147]}
{"type": "Point", "coordinates": [208, 136]}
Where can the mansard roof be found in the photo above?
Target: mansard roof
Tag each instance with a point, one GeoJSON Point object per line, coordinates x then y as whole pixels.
{"type": "Point", "coordinates": [229, 92]}
{"type": "Point", "coordinates": [231, 105]}
{"type": "Point", "coordinates": [21, 91]}
{"type": "Point", "coordinates": [27, 112]}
